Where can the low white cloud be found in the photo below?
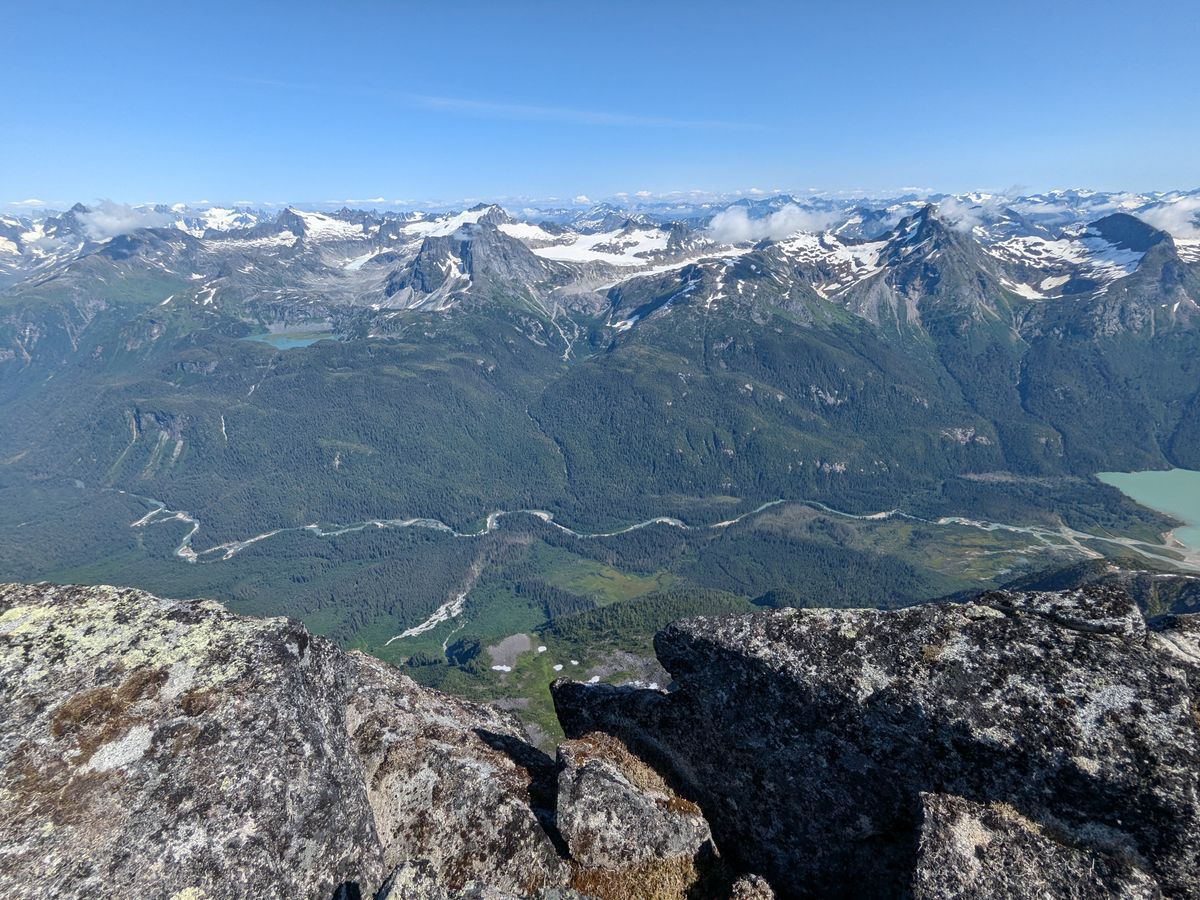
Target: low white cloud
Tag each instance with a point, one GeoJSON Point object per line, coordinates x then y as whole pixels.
{"type": "Point", "coordinates": [964, 215]}
{"type": "Point", "coordinates": [107, 219]}
{"type": "Point", "coordinates": [734, 225]}
{"type": "Point", "coordinates": [32, 201]}
{"type": "Point", "coordinates": [1180, 218]}
{"type": "Point", "coordinates": [582, 198]}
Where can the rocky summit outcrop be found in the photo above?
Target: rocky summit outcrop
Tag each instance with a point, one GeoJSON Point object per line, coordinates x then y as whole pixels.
{"type": "Point", "coordinates": [626, 830]}
{"type": "Point", "coordinates": [172, 749]}
{"type": "Point", "coordinates": [1020, 745]}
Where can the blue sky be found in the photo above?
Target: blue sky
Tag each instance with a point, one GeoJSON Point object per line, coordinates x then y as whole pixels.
{"type": "Point", "coordinates": [309, 102]}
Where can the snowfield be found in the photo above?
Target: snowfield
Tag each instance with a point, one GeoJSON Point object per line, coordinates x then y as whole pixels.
{"type": "Point", "coordinates": [628, 247]}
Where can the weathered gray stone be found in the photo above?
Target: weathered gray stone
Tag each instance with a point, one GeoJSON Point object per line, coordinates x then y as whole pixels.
{"type": "Point", "coordinates": [160, 748]}
{"type": "Point", "coordinates": [1038, 744]}
{"type": "Point", "coordinates": [751, 887]}
{"type": "Point", "coordinates": [419, 881]}
{"type": "Point", "coordinates": [970, 849]}
{"type": "Point", "coordinates": [450, 783]}
{"type": "Point", "coordinates": [615, 811]}
{"type": "Point", "coordinates": [808, 737]}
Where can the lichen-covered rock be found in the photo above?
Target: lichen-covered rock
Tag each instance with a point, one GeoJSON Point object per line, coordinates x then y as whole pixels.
{"type": "Point", "coordinates": [452, 784]}
{"type": "Point", "coordinates": [419, 881]}
{"type": "Point", "coordinates": [166, 747]}
{"type": "Point", "coordinates": [160, 748]}
{"type": "Point", "coordinates": [614, 810]}
{"type": "Point", "coordinates": [971, 849]}
{"type": "Point", "coordinates": [628, 833]}
{"type": "Point", "coordinates": [808, 737]}
{"type": "Point", "coordinates": [751, 887]}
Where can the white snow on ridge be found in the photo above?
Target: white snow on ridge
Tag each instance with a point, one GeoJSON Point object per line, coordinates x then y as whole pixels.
{"type": "Point", "coordinates": [1189, 250]}
{"type": "Point", "coordinates": [215, 218]}
{"type": "Point", "coordinates": [282, 239]}
{"type": "Point", "coordinates": [849, 263]}
{"type": "Point", "coordinates": [444, 227]}
{"type": "Point", "coordinates": [33, 238]}
{"type": "Point", "coordinates": [1087, 254]}
{"type": "Point", "coordinates": [628, 247]}
{"type": "Point", "coordinates": [224, 219]}
{"type": "Point", "coordinates": [526, 231]}
{"type": "Point", "coordinates": [319, 225]}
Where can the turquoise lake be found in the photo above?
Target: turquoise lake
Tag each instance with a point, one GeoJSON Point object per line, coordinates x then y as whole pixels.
{"type": "Point", "coordinates": [1175, 492]}
{"type": "Point", "coordinates": [290, 340]}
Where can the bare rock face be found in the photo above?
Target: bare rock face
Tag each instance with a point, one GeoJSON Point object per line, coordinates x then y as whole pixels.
{"type": "Point", "coordinates": [172, 749]}
{"type": "Point", "coordinates": [970, 849]}
{"type": "Point", "coordinates": [451, 784]}
{"type": "Point", "coordinates": [420, 881]}
{"type": "Point", "coordinates": [751, 887]}
{"type": "Point", "coordinates": [1020, 745]}
{"type": "Point", "coordinates": [627, 831]}
{"type": "Point", "coordinates": [167, 747]}
{"type": "Point", "coordinates": [808, 737]}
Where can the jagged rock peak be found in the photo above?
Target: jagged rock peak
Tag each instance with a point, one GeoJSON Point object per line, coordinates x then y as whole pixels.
{"type": "Point", "coordinates": [1128, 232]}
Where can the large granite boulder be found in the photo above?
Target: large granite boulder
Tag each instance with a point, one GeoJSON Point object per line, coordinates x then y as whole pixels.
{"type": "Point", "coordinates": [809, 737]}
{"type": "Point", "coordinates": [628, 833]}
{"type": "Point", "coordinates": [453, 784]}
{"type": "Point", "coordinates": [172, 749]}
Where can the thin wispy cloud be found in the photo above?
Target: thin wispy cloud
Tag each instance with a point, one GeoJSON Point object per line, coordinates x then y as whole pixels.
{"type": "Point", "coordinates": [565, 115]}
{"type": "Point", "coordinates": [520, 112]}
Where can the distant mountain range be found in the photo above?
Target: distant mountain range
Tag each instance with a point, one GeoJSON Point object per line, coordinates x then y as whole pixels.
{"type": "Point", "coordinates": [1042, 246]}
{"type": "Point", "coordinates": [282, 374]}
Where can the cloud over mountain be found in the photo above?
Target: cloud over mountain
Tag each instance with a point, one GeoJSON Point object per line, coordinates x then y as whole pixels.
{"type": "Point", "coordinates": [108, 219]}
{"type": "Point", "coordinates": [734, 225]}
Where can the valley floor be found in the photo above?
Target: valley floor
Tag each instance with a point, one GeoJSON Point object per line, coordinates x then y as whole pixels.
{"type": "Point", "coordinates": [522, 598]}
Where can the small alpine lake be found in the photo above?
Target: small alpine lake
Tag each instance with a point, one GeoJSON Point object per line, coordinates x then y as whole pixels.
{"type": "Point", "coordinates": [1175, 492]}
{"type": "Point", "coordinates": [289, 338]}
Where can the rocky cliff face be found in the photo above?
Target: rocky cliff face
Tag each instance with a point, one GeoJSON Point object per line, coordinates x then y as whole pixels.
{"type": "Point", "coordinates": [1003, 747]}
{"type": "Point", "coordinates": [1018, 745]}
{"type": "Point", "coordinates": [172, 749]}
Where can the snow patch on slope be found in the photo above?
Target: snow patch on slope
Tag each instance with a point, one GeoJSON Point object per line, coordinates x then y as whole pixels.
{"type": "Point", "coordinates": [526, 231]}
{"type": "Point", "coordinates": [447, 225]}
{"type": "Point", "coordinates": [1079, 253]}
{"type": "Point", "coordinates": [628, 247]}
{"type": "Point", "coordinates": [323, 227]}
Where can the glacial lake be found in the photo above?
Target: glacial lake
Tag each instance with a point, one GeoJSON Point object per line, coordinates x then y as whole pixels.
{"type": "Point", "coordinates": [290, 339]}
{"type": "Point", "coordinates": [1175, 492]}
